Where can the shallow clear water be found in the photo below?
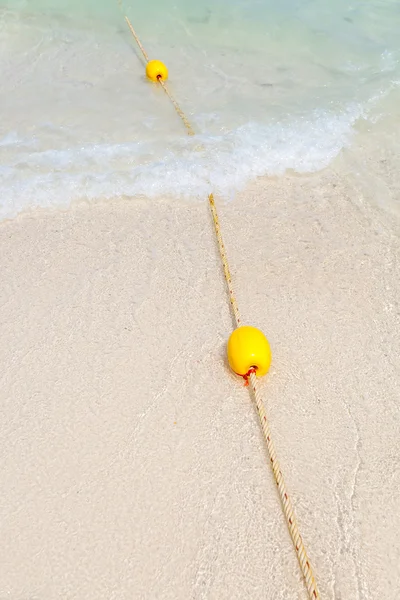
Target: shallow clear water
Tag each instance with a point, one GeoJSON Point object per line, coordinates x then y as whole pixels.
{"type": "Point", "coordinates": [268, 87]}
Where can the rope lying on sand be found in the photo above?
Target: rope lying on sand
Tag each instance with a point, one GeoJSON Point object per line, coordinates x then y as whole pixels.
{"type": "Point", "coordinates": [285, 500]}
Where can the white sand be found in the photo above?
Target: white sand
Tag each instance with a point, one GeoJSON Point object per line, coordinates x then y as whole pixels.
{"type": "Point", "coordinates": [131, 461]}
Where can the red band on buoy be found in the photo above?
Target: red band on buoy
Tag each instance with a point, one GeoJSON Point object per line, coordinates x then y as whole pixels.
{"type": "Point", "coordinates": [246, 376]}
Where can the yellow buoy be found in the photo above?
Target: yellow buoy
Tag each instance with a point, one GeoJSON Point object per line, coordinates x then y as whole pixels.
{"type": "Point", "coordinates": [156, 70]}
{"type": "Point", "coordinates": [248, 349]}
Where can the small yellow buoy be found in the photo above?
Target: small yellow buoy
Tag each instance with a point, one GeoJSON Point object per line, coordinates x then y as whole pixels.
{"type": "Point", "coordinates": [156, 70]}
{"type": "Point", "coordinates": [248, 349]}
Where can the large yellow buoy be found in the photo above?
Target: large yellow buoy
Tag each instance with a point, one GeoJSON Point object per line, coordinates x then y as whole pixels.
{"type": "Point", "coordinates": [156, 70]}
{"type": "Point", "coordinates": [248, 349]}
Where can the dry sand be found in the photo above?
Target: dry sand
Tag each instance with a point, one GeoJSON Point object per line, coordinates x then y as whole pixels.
{"type": "Point", "coordinates": [131, 460]}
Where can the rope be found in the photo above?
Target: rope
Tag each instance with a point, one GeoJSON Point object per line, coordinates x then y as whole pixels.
{"type": "Point", "coordinates": [285, 500]}
{"type": "Point", "coordinates": [287, 507]}
{"type": "Point", "coordinates": [178, 109]}
{"type": "Point", "coordinates": [146, 56]}
{"type": "Point", "coordinates": [286, 503]}
{"type": "Point", "coordinates": [224, 259]}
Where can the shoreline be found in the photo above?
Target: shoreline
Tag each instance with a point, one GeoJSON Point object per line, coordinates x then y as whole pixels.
{"type": "Point", "coordinates": [133, 465]}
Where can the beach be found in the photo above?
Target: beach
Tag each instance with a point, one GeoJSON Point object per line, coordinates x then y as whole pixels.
{"type": "Point", "coordinates": [132, 461]}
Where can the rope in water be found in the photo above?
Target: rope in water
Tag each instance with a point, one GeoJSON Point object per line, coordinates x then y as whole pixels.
{"type": "Point", "coordinates": [285, 500]}
{"type": "Point", "coordinates": [163, 84]}
{"type": "Point", "coordinates": [146, 56]}
{"type": "Point", "coordinates": [177, 108]}
{"type": "Point", "coordinates": [287, 507]}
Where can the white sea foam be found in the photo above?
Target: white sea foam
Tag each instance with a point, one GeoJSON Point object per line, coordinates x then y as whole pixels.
{"type": "Point", "coordinates": [189, 168]}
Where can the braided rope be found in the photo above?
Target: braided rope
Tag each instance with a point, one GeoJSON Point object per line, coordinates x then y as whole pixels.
{"type": "Point", "coordinates": [146, 56]}
{"type": "Point", "coordinates": [178, 109]}
{"type": "Point", "coordinates": [286, 503]}
{"type": "Point", "coordinates": [224, 259]}
{"type": "Point", "coordinates": [285, 500]}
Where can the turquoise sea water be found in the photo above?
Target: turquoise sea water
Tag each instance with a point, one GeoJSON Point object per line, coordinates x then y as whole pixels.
{"type": "Point", "coordinates": [269, 86]}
